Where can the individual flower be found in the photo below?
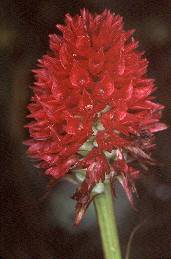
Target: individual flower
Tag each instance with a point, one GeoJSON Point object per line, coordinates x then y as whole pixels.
{"type": "Point", "coordinates": [93, 113]}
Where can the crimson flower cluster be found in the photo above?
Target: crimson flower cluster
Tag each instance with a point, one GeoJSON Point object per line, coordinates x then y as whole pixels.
{"type": "Point", "coordinates": [93, 113]}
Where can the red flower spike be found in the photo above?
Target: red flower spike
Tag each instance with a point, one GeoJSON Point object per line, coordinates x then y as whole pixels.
{"type": "Point", "coordinates": [92, 109]}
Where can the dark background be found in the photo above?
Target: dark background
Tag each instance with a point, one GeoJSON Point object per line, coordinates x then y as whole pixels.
{"type": "Point", "coordinates": [33, 227]}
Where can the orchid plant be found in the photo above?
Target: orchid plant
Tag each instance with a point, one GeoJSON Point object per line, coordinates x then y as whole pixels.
{"type": "Point", "coordinates": [93, 114]}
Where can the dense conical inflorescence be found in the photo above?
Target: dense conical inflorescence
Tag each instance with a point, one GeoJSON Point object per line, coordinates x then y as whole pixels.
{"type": "Point", "coordinates": [92, 109]}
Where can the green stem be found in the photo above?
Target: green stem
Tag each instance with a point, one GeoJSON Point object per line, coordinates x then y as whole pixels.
{"type": "Point", "coordinates": [105, 213]}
